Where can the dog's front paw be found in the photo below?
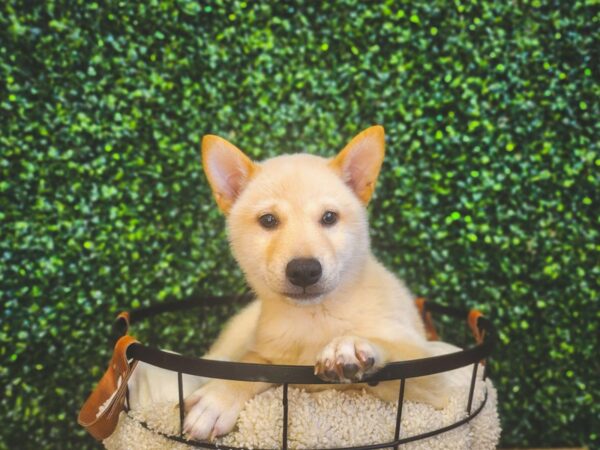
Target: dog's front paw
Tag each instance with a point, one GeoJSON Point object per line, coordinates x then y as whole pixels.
{"type": "Point", "coordinates": [213, 410]}
{"type": "Point", "coordinates": [347, 359]}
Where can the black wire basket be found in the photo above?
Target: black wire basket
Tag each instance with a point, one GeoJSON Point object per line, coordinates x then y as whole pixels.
{"type": "Point", "coordinates": [285, 375]}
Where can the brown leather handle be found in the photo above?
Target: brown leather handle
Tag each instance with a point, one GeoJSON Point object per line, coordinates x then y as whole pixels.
{"type": "Point", "coordinates": [474, 315]}
{"type": "Point", "coordinates": [122, 323]}
{"type": "Point", "coordinates": [430, 330]}
{"type": "Point", "coordinates": [100, 412]}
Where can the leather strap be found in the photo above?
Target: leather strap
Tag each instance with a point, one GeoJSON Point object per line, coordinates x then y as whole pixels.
{"type": "Point", "coordinates": [430, 330]}
{"type": "Point", "coordinates": [100, 412]}
{"type": "Point", "coordinates": [472, 319]}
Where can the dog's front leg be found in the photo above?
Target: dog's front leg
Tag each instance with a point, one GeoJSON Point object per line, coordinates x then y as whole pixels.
{"type": "Point", "coordinates": [349, 359]}
{"type": "Point", "coordinates": [237, 336]}
{"type": "Point", "coordinates": [214, 408]}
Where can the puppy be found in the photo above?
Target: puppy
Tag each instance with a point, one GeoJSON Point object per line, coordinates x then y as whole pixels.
{"type": "Point", "coordinates": [297, 226]}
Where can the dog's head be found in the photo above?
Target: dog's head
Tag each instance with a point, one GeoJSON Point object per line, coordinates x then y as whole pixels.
{"type": "Point", "coordinates": [297, 223]}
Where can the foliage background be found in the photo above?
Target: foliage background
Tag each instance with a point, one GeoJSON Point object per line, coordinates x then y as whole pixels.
{"type": "Point", "coordinates": [488, 195]}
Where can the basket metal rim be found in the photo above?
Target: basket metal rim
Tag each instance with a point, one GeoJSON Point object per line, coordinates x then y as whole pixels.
{"type": "Point", "coordinates": [297, 374]}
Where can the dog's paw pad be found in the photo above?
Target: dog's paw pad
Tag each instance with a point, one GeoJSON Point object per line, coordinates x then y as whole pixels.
{"type": "Point", "coordinates": [350, 371]}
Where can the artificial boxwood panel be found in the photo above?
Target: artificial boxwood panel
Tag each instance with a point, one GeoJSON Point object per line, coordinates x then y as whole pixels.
{"type": "Point", "coordinates": [488, 195]}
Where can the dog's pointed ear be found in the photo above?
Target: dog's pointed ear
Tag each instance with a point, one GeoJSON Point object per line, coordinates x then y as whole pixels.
{"type": "Point", "coordinates": [228, 170]}
{"type": "Point", "coordinates": [360, 161]}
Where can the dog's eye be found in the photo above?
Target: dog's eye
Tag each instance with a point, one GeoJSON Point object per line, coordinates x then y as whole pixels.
{"type": "Point", "coordinates": [268, 221]}
{"type": "Point", "coordinates": [329, 218]}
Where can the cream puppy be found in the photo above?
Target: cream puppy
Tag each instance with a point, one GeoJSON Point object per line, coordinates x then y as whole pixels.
{"type": "Point", "coordinates": [298, 227]}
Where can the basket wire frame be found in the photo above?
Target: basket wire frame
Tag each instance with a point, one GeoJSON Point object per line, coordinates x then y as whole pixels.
{"type": "Point", "coordinates": [299, 375]}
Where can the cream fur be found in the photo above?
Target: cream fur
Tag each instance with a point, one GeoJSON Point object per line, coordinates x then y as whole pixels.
{"type": "Point", "coordinates": [357, 315]}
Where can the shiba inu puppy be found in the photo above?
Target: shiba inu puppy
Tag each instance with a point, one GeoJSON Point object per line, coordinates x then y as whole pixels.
{"type": "Point", "coordinates": [298, 227]}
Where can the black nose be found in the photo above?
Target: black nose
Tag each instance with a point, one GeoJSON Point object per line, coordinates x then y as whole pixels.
{"type": "Point", "coordinates": [303, 271]}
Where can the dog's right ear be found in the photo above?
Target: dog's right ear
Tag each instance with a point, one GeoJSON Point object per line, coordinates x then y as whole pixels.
{"type": "Point", "coordinates": [228, 170]}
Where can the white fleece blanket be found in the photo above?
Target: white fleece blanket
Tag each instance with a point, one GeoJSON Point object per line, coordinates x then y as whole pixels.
{"type": "Point", "coordinates": [325, 419]}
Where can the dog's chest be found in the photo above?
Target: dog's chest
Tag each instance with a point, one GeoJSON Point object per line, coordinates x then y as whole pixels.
{"type": "Point", "coordinates": [297, 339]}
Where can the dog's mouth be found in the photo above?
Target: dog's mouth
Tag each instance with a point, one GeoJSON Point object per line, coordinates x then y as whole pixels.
{"type": "Point", "coordinates": [303, 296]}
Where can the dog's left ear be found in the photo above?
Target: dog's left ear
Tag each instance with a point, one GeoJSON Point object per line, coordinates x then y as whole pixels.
{"type": "Point", "coordinates": [360, 161]}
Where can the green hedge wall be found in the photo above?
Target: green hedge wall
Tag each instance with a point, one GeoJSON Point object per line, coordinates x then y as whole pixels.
{"type": "Point", "coordinates": [488, 196]}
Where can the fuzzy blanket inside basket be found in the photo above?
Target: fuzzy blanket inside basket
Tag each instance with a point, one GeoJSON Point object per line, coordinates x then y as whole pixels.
{"type": "Point", "coordinates": [329, 418]}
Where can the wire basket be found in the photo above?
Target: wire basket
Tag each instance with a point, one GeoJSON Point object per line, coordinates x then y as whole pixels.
{"type": "Point", "coordinates": [112, 393]}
